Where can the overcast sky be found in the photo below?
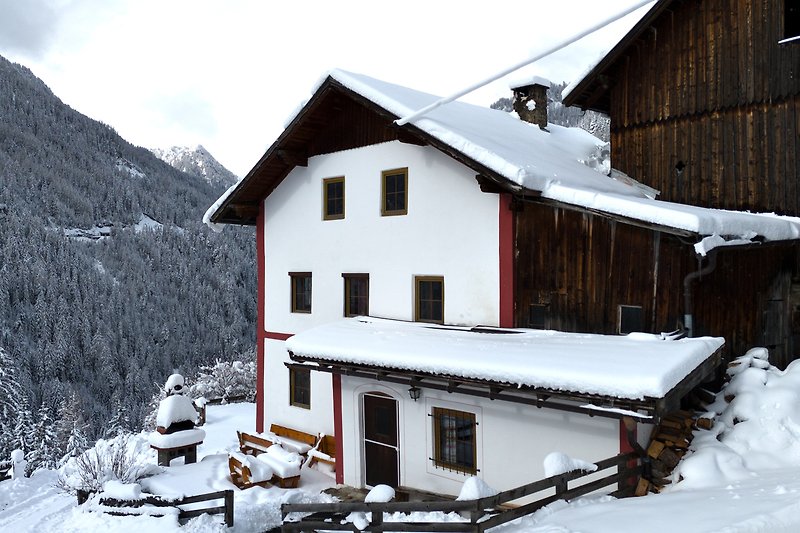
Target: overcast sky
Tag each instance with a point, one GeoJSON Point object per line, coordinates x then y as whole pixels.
{"type": "Point", "coordinates": [226, 74]}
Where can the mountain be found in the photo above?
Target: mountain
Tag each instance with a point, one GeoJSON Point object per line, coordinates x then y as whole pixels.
{"type": "Point", "coordinates": [198, 162]}
{"type": "Point", "coordinates": [109, 281]}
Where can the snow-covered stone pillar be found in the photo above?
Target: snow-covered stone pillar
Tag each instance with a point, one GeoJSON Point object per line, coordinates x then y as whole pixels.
{"type": "Point", "coordinates": [18, 464]}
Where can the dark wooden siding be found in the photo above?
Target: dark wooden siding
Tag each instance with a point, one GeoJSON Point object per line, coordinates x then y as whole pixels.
{"type": "Point", "coordinates": [583, 266]}
{"type": "Point", "coordinates": [709, 85]}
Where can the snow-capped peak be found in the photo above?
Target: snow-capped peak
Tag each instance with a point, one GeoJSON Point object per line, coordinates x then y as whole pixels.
{"type": "Point", "coordinates": [196, 161]}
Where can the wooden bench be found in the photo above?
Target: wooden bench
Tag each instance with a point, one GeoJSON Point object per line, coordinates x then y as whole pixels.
{"type": "Point", "coordinates": [291, 439]}
{"type": "Point", "coordinates": [325, 452]}
{"type": "Point", "coordinates": [249, 471]}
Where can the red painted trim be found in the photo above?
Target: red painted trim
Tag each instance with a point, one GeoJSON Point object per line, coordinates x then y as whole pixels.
{"type": "Point", "coordinates": [506, 256]}
{"type": "Point", "coordinates": [261, 279]}
{"type": "Point", "coordinates": [624, 445]}
{"type": "Point", "coordinates": [274, 335]}
{"type": "Point", "coordinates": [337, 426]}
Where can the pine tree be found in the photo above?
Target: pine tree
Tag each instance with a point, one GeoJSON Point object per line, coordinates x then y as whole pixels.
{"type": "Point", "coordinates": [71, 429]}
{"type": "Point", "coordinates": [44, 442]}
{"type": "Point", "coordinates": [119, 422]}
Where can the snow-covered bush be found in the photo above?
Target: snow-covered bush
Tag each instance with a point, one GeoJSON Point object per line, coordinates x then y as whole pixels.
{"type": "Point", "coordinates": [225, 380]}
{"type": "Point", "coordinates": [125, 458]}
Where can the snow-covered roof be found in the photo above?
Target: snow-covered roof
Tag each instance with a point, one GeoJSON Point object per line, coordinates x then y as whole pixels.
{"type": "Point", "coordinates": [555, 163]}
{"type": "Point", "coordinates": [634, 366]}
{"type": "Point", "coordinates": [519, 151]}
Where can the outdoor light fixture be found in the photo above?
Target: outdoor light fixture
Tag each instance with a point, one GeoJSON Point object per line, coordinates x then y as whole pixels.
{"type": "Point", "coordinates": [415, 393]}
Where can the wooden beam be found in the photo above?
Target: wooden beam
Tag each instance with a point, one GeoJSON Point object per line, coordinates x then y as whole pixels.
{"type": "Point", "coordinates": [292, 157]}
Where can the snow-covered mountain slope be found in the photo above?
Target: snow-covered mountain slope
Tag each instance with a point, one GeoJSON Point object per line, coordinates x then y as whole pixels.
{"type": "Point", "coordinates": [75, 195]}
{"type": "Point", "coordinates": [196, 161]}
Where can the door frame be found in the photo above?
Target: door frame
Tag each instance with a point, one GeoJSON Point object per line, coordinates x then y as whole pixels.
{"type": "Point", "coordinates": [380, 392]}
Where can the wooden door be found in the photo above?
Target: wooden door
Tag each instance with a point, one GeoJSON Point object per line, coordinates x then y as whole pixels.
{"type": "Point", "coordinates": [381, 456]}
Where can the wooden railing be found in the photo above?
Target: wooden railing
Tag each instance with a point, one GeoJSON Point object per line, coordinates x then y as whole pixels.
{"type": "Point", "coordinates": [5, 470]}
{"type": "Point", "coordinates": [479, 515]}
{"type": "Point", "coordinates": [110, 505]}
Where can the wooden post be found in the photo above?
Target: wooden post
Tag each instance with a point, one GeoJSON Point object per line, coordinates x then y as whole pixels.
{"type": "Point", "coordinates": [229, 508]}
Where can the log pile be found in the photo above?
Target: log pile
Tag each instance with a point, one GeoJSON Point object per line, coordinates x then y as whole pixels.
{"type": "Point", "coordinates": [669, 442]}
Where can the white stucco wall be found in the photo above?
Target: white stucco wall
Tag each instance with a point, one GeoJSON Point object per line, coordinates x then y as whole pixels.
{"type": "Point", "coordinates": [451, 230]}
{"type": "Point", "coordinates": [512, 439]}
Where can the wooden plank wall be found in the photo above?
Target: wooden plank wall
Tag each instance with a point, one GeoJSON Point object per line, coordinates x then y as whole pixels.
{"type": "Point", "coordinates": [582, 266]}
{"type": "Point", "coordinates": [708, 85]}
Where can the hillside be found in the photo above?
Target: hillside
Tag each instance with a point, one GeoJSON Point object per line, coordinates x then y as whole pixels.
{"type": "Point", "coordinates": [109, 281]}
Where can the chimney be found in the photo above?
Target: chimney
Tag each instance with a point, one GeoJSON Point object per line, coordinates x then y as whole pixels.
{"type": "Point", "coordinates": [530, 100]}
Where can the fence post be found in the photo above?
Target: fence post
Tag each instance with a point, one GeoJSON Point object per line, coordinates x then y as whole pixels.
{"type": "Point", "coordinates": [376, 524]}
{"type": "Point", "coordinates": [229, 508]}
{"type": "Point", "coordinates": [561, 485]}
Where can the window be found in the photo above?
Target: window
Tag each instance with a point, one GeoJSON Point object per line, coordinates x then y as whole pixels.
{"type": "Point", "coordinates": [301, 292]}
{"type": "Point", "coordinates": [791, 20]}
{"type": "Point", "coordinates": [333, 198]}
{"type": "Point", "coordinates": [631, 318]}
{"type": "Point", "coordinates": [394, 192]}
{"type": "Point", "coordinates": [537, 316]}
{"type": "Point", "coordinates": [429, 299]}
{"type": "Point", "coordinates": [454, 440]}
{"type": "Point", "coordinates": [356, 294]}
{"type": "Point", "coordinates": [300, 387]}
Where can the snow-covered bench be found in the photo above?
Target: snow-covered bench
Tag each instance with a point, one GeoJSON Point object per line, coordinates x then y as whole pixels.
{"type": "Point", "coordinates": [324, 452]}
{"type": "Point", "coordinates": [277, 465]}
{"type": "Point", "coordinates": [291, 439]}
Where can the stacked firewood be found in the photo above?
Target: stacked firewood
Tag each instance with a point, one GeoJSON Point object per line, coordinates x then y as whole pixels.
{"type": "Point", "coordinates": [669, 442]}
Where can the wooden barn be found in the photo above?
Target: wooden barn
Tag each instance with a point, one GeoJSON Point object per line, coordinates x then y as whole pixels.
{"type": "Point", "coordinates": [704, 100]}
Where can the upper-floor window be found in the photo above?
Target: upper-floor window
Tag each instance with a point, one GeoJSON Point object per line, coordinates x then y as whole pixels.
{"type": "Point", "coordinates": [429, 299]}
{"type": "Point", "coordinates": [791, 20]}
{"type": "Point", "coordinates": [454, 443]}
{"type": "Point", "coordinates": [356, 294]}
{"type": "Point", "coordinates": [301, 292]}
{"type": "Point", "coordinates": [333, 198]}
{"type": "Point", "coordinates": [394, 192]}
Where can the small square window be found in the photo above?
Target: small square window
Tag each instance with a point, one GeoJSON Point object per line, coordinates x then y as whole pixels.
{"type": "Point", "coordinates": [429, 299]}
{"type": "Point", "coordinates": [454, 442]}
{"type": "Point", "coordinates": [537, 316]}
{"type": "Point", "coordinates": [791, 19]}
{"type": "Point", "coordinates": [301, 292]}
{"type": "Point", "coordinates": [631, 318]}
{"type": "Point", "coordinates": [394, 192]}
{"type": "Point", "coordinates": [356, 294]}
{"type": "Point", "coordinates": [333, 198]}
{"type": "Point", "coordinates": [300, 387]}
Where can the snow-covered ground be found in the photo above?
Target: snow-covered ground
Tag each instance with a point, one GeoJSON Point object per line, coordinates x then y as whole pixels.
{"type": "Point", "coordinates": [741, 476]}
{"type": "Point", "coordinates": [35, 504]}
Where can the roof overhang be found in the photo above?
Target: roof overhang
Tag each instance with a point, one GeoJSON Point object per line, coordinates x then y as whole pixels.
{"type": "Point", "coordinates": [646, 409]}
{"type": "Point", "coordinates": [639, 375]}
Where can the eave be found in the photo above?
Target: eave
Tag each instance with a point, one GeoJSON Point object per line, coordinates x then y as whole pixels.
{"type": "Point", "coordinates": [646, 409]}
{"type": "Point", "coordinates": [592, 92]}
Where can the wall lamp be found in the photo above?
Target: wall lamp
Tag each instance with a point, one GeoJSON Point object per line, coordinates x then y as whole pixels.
{"type": "Point", "coordinates": [415, 393]}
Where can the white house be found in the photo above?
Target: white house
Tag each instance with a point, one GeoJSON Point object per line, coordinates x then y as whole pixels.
{"type": "Point", "coordinates": [419, 225]}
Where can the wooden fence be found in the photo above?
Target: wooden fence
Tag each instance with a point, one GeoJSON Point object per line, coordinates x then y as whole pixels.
{"type": "Point", "coordinates": [183, 514]}
{"type": "Point", "coordinates": [483, 513]}
{"type": "Point", "coordinates": [5, 470]}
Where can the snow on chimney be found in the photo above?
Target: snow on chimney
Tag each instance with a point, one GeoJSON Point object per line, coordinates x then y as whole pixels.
{"type": "Point", "coordinates": [530, 100]}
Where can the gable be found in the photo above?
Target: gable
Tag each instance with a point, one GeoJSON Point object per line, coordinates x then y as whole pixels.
{"type": "Point", "coordinates": [686, 57]}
